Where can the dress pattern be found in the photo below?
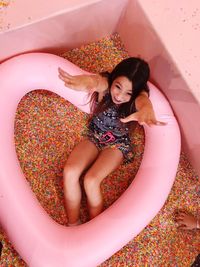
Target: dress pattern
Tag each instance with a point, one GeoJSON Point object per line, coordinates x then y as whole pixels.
{"type": "Point", "coordinates": [106, 130]}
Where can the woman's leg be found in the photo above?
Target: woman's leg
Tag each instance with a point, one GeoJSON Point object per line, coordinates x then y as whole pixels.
{"type": "Point", "coordinates": [79, 160]}
{"type": "Point", "coordinates": [107, 161]}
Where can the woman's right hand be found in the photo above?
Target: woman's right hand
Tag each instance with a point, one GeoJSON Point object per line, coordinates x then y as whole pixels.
{"type": "Point", "coordinates": [88, 83]}
{"type": "Point", "coordinates": [78, 82]}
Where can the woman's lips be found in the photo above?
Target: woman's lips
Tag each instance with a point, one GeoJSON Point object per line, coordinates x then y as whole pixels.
{"type": "Point", "coordinates": [116, 101]}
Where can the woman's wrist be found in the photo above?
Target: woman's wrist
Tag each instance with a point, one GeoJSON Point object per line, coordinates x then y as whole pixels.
{"type": "Point", "coordinates": [101, 83]}
{"type": "Point", "coordinates": [96, 80]}
{"type": "Point", "coordinates": [143, 101]}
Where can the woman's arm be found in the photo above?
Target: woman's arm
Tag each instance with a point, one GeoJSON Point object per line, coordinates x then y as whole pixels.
{"type": "Point", "coordinates": [90, 83]}
{"type": "Point", "coordinates": [97, 83]}
{"type": "Point", "coordinates": [145, 113]}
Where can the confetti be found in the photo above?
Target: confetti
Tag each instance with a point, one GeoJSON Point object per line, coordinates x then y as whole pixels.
{"type": "Point", "coordinates": [4, 3]}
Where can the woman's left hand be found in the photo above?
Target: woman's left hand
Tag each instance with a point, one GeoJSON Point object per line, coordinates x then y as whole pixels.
{"type": "Point", "coordinates": [145, 116]}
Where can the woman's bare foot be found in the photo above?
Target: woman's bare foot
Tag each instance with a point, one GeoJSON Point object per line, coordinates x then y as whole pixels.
{"type": "Point", "coordinates": [74, 224]}
{"type": "Point", "coordinates": [186, 221]}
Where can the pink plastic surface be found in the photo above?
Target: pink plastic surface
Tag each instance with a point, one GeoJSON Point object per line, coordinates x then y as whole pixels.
{"type": "Point", "coordinates": [56, 26]}
{"type": "Point", "coordinates": [167, 35]}
{"type": "Point", "coordinates": [39, 239]}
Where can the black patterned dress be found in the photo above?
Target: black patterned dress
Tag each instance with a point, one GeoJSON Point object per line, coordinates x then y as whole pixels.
{"type": "Point", "coordinates": [106, 130]}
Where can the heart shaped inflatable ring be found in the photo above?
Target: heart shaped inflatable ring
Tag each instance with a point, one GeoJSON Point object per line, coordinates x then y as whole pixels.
{"type": "Point", "coordinates": [41, 241]}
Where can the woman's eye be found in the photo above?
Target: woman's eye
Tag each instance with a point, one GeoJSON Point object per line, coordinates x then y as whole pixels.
{"type": "Point", "coordinates": [129, 94]}
{"type": "Point", "coordinates": [118, 87]}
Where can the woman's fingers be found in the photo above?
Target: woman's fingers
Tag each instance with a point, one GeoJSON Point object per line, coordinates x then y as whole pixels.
{"type": "Point", "coordinates": [132, 117]}
{"type": "Point", "coordinates": [62, 77]}
{"type": "Point", "coordinates": [66, 77]}
{"type": "Point", "coordinates": [160, 123]}
{"type": "Point", "coordinates": [64, 73]}
{"type": "Point", "coordinates": [142, 121]}
{"type": "Point", "coordinates": [151, 122]}
{"type": "Point", "coordinates": [69, 80]}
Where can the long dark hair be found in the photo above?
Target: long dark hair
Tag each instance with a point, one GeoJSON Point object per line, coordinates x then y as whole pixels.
{"type": "Point", "coordinates": [138, 72]}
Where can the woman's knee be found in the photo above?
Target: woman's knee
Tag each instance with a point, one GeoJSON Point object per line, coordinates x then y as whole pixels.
{"type": "Point", "coordinates": [91, 183]}
{"type": "Point", "coordinates": [71, 174]}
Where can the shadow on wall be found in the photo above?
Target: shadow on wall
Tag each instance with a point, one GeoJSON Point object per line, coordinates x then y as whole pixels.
{"type": "Point", "coordinates": [172, 81]}
{"type": "Point", "coordinates": [186, 107]}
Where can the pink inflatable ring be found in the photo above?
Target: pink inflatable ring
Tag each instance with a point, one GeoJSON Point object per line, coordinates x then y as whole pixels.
{"type": "Point", "coordinates": [41, 241]}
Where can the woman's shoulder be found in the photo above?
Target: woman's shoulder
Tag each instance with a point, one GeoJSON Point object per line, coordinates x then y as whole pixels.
{"type": "Point", "coordinates": [102, 95]}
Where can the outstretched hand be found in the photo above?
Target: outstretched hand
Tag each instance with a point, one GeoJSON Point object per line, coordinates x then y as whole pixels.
{"type": "Point", "coordinates": [77, 82]}
{"type": "Point", "coordinates": [144, 116]}
{"type": "Point", "coordinates": [85, 82]}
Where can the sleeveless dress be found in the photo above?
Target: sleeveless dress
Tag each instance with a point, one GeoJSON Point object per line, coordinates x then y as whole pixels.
{"type": "Point", "coordinates": [106, 130]}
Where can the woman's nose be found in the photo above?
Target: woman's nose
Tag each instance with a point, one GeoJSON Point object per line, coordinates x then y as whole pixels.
{"type": "Point", "coordinates": [119, 97]}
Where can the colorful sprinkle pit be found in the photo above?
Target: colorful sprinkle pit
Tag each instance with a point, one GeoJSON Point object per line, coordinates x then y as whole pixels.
{"type": "Point", "coordinates": [46, 129]}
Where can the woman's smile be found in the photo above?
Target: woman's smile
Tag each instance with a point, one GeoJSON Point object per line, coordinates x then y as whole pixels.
{"type": "Point", "coordinates": [121, 90]}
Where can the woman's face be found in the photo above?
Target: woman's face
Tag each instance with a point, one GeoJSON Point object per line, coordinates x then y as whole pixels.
{"type": "Point", "coordinates": [121, 90]}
